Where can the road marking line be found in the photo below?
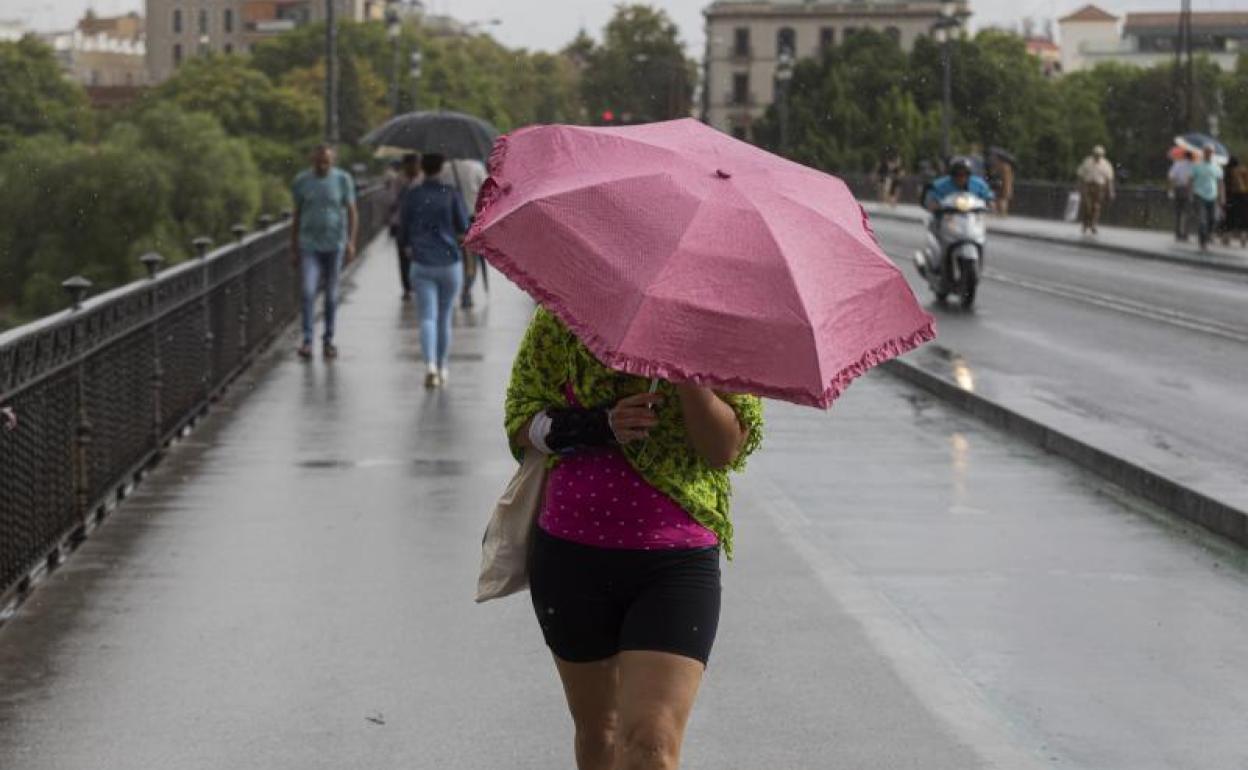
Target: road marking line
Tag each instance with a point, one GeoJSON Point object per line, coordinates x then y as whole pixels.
{"type": "Point", "coordinates": [1126, 306]}
{"type": "Point", "coordinates": [932, 677]}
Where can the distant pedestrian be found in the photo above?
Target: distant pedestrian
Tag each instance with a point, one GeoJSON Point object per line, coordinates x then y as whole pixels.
{"type": "Point", "coordinates": [431, 220]}
{"type": "Point", "coordinates": [409, 174]}
{"type": "Point", "coordinates": [889, 174]}
{"type": "Point", "coordinates": [322, 235]}
{"type": "Point", "coordinates": [1179, 186]}
{"type": "Point", "coordinates": [1001, 179]}
{"type": "Point", "coordinates": [1209, 194]}
{"type": "Point", "coordinates": [1236, 225]}
{"type": "Point", "coordinates": [1096, 187]}
{"type": "Point", "coordinates": [467, 175]}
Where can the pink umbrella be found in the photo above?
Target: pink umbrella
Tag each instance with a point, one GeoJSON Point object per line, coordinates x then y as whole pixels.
{"type": "Point", "coordinates": [674, 251]}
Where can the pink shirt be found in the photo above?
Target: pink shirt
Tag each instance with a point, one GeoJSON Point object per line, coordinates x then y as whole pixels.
{"type": "Point", "coordinates": [597, 498]}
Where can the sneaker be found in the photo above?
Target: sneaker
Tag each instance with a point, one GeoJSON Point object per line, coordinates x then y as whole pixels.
{"type": "Point", "coordinates": [331, 350]}
{"type": "Point", "coordinates": [305, 351]}
{"type": "Point", "coordinates": [432, 380]}
{"type": "Point", "coordinates": [444, 375]}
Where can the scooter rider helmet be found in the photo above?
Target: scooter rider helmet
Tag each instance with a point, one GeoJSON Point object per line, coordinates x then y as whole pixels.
{"type": "Point", "coordinates": [959, 166]}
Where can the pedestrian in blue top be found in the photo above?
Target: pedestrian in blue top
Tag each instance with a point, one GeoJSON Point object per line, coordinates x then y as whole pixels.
{"type": "Point", "coordinates": [322, 233]}
{"type": "Point", "coordinates": [431, 220]}
{"type": "Point", "coordinates": [1209, 193]}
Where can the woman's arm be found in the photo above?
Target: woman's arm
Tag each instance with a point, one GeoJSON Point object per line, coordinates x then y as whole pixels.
{"type": "Point", "coordinates": [712, 425]}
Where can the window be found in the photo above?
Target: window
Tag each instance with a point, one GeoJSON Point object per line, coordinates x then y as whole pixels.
{"type": "Point", "coordinates": [786, 42]}
{"type": "Point", "coordinates": [227, 20]}
{"type": "Point", "coordinates": [741, 42]}
{"type": "Point", "coordinates": [177, 21]}
{"type": "Point", "coordinates": [894, 34]}
{"type": "Point", "coordinates": [177, 54]}
{"type": "Point", "coordinates": [741, 88]}
{"type": "Point", "coordinates": [827, 38]}
{"type": "Point", "coordinates": [849, 32]}
{"type": "Point", "coordinates": [203, 21]}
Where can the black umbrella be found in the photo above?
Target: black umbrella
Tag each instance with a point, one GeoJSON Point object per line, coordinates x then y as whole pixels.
{"type": "Point", "coordinates": [452, 134]}
{"type": "Point", "coordinates": [1003, 154]}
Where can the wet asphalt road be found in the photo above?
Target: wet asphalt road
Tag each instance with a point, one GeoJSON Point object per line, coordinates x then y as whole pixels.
{"type": "Point", "coordinates": [1146, 359]}
{"type": "Point", "coordinates": [292, 590]}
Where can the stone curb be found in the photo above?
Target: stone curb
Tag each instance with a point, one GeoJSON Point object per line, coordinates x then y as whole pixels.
{"type": "Point", "coordinates": [1130, 251]}
{"type": "Point", "coordinates": [1184, 501]}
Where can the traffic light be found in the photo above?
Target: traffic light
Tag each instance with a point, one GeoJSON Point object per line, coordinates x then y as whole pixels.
{"type": "Point", "coordinates": [608, 117]}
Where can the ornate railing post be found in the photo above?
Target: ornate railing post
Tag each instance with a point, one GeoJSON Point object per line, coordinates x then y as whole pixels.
{"type": "Point", "coordinates": [151, 262]}
{"type": "Point", "coordinates": [201, 246]}
{"type": "Point", "coordinates": [77, 287]}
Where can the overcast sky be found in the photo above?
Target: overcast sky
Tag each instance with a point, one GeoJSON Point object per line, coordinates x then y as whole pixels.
{"type": "Point", "coordinates": [549, 24]}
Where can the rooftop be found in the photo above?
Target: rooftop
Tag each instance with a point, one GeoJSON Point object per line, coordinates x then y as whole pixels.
{"type": "Point", "coordinates": [1221, 21]}
{"type": "Point", "coordinates": [1088, 13]}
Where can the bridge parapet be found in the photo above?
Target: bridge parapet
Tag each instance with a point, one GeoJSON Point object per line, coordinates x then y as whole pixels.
{"type": "Point", "coordinates": [91, 396]}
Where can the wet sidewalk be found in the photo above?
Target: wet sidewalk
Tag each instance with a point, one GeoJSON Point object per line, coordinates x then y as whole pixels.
{"type": "Point", "coordinates": [291, 590]}
{"type": "Point", "coordinates": [1148, 244]}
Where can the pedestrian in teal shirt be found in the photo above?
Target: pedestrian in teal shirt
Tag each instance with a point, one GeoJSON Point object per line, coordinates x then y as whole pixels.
{"type": "Point", "coordinates": [1209, 194]}
{"type": "Point", "coordinates": [322, 234]}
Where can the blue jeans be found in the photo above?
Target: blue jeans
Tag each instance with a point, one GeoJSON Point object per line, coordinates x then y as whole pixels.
{"type": "Point", "coordinates": [1208, 212]}
{"type": "Point", "coordinates": [436, 288]}
{"type": "Point", "coordinates": [314, 265]}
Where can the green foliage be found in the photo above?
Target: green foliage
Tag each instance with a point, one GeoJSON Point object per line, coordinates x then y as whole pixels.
{"type": "Point", "coordinates": [867, 95]}
{"type": "Point", "coordinates": [640, 71]}
{"type": "Point", "coordinates": [69, 209]}
{"type": "Point", "coordinates": [35, 96]}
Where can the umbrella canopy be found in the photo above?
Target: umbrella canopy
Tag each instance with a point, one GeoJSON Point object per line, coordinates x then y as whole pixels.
{"type": "Point", "coordinates": [1003, 154]}
{"type": "Point", "coordinates": [452, 134]}
{"type": "Point", "coordinates": [674, 251]}
{"type": "Point", "coordinates": [1196, 143]}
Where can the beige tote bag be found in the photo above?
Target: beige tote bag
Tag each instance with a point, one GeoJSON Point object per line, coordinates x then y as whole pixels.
{"type": "Point", "coordinates": [505, 547]}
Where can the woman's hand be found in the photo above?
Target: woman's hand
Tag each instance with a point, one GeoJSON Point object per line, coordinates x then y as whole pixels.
{"type": "Point", "coordinates": [632, 418]}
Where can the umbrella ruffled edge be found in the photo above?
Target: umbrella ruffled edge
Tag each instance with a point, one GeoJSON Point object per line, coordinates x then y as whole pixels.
{"type": "Point", "coordinates": [491, 191]}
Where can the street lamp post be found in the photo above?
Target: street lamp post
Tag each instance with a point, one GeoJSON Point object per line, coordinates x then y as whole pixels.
{"type": "Point", "coordinates": [394, 29]}
{"type": "Point", "coordinates": [331, 74]}
{"type": "Point", "coordinates": [944, 29]}
{"type": "Point", "coordinates": [784, 76]}
{"type": "Point", "coordinates": [417, 61]}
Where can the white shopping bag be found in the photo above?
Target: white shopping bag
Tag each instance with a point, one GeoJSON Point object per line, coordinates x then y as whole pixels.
{"type": "Point", "coordinates": [1072, 206]}
{"type": "Point", "coordinates": [505, 547]}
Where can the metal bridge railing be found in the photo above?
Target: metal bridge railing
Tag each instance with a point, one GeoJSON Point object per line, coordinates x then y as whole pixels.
{"type": "Point", "coordinates": [91, 396]}
{"type": "Point", "coordinates": [1140, 206]}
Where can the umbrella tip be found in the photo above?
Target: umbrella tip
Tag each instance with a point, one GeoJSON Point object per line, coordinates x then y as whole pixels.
{"type": "Point", "coordinates": [719, 172]}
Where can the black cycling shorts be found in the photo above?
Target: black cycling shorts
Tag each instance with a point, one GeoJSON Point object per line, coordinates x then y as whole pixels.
{"type": "Point", "coordinates": [594, 602]}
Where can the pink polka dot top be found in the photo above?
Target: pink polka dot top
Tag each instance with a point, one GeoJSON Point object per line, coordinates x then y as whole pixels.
{"type": "Point", "coordinates": [597, 498]}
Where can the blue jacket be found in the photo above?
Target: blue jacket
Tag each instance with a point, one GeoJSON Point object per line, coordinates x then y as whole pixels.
{"type": "Point", "coordinates": [431, 217]}
{"type": "Point", "coordinates": [946, 186]}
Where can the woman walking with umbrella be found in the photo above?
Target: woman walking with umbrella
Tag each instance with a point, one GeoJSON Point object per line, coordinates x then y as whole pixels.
{"type": "Point", "coordinates": [431, 220]}
{"type": "Point", "coordinates": [678, 271]}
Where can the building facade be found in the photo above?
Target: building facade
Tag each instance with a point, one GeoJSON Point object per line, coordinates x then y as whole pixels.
{"type": "Point", "coordinates": [1091, 36]}
{"type": "Point", "coordinates": [745, 40]}
{"type": "Point", "coordinates": [180, 29]}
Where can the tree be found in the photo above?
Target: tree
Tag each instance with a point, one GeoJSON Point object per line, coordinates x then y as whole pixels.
{"type": "Point", "coordinates": [35, 96]}
{"type": "Point", "coordinates": [640, 71]}
{"type": "Point", "coordinates": [70, 208]}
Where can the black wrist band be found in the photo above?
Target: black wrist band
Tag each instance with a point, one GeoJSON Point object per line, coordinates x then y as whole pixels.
{"type": "Point", "coordinates": [573, 428]}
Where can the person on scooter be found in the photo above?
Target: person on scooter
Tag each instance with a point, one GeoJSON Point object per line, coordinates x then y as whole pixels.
{"type": "Point", "coordinates": [959, 178]}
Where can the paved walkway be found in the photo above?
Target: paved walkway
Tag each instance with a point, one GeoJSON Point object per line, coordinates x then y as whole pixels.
{"type": "Point", "coordinates": [291, 590]}
{"type": "Point", "coordinates": [1149, 244]}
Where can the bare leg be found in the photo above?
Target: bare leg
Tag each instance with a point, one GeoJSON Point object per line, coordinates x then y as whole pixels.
{"type": "Point", "coordinates": [656, 695]}
{"type": "Point", "coordinates": [591, 690]}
